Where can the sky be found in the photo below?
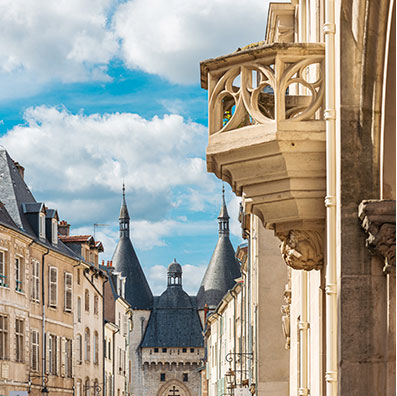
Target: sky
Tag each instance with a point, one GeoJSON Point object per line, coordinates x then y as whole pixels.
{"type": "Point", "coordinates": [94, 93]}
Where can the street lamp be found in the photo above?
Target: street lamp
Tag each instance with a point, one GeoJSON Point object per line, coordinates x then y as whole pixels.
{"type": "Point", "coordinates": [230, 378]}
{"type": "Point", "coordinates": [44, 390]}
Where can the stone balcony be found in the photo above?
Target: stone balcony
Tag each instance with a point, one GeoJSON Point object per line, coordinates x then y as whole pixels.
{"type": "Point", "coordinates": [267, 133]}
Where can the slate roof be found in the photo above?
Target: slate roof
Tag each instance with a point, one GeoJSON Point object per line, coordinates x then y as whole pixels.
{"type": "Point", "coordinates": [18, 202]}
{"type": "Point", "coordinates": [125, 260]}
{"type": "Point", "coordinates": [174, 321]}
{"type": "Point", "coordinates": [222, 269]}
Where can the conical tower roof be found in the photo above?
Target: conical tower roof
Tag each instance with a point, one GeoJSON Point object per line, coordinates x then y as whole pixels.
{"type": "Point", "coordinates": [223, 268]}
{"type": "Point", "coordinates": [125, 260]}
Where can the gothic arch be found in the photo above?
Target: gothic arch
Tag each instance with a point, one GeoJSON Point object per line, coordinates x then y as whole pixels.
{"type": "Point", "coordinates": [173, 388]}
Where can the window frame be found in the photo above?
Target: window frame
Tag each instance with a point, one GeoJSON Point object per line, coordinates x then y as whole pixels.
{"type": "Point", "coordinates": [4, 337]}
{"type": "Point", "coordinates": [19, 340]}
{"type": "Point", "coordinates": [35, 350]}
{"type": "Point", "coordinates": [68, 291]}
{"type": "Point", "coordinates": [35, 281]}
{"type": "Point", "coordinates": [19, 274]}
{"type": "Point", "coordinates": [52, 285]}
{"type": "Point", "coordinates": [4, 269]}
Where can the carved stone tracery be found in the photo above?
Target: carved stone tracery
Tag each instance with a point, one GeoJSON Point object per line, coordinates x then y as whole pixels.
{"type": "Point", "coordinates": [302, 250]}
{"type": "Point", "coordinates": [378, 218]}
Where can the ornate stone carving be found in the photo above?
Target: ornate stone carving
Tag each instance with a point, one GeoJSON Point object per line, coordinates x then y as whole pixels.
{"type": "Point", "coordinates": [286, 311]}
{"type": "Point", "coordinates": [303, 250]}
{"type": "Point", "coordinates": [378, 219]}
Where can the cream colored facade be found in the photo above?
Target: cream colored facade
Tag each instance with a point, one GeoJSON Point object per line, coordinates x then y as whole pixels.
{"type": "Point", "coordinates": [306, 135]}
{"type": "Point", "coordinates": [23, 320]}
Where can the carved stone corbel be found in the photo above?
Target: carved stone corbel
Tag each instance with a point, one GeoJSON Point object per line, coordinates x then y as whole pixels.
{"type": "Point", "coordinates": [378, 218]}
{"type": "Point", "coordinates": [302, 250]}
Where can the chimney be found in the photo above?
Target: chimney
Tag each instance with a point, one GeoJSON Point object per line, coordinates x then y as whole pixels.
{"type": "Point", "coordinates": [63, 228]}
{"type": "Point", "coordinates": [103, 262]}
{"type": "Point", "coordinates": [205, 311]}
{"type": "Point", "coordinates": [111, 263]}
{"type": "Point", "coordinates": [20, 169]}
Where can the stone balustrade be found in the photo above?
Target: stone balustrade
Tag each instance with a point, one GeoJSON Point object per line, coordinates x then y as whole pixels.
{"type": "Point", "coordinates": [267, 139]}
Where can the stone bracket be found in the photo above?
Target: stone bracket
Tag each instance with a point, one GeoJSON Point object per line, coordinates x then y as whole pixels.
{"type": "Point", "coordinates": [378, 218]}
{"type": "Point", "coordinates": [302, 249]}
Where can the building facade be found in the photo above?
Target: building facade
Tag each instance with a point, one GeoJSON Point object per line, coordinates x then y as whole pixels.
{"type": "Point", "coordinates": [36, 311]}
{"type": "Point", "coordinates": [166, 345]}
{"type": "Point", "coordinates": [310, 146]}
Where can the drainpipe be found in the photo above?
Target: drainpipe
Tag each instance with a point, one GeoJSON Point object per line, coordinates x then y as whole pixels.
{"type": "Point", "coordinates": [302, 330]}
{"type": "Point", "coordinates": [43, 338]}
{"type": "Point", "coordinates": [103, 335]}
{"type": "Point", "coordinates": [331, 375]}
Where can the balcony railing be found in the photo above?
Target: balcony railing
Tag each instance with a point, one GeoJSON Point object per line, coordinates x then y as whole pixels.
{"type": "Point", "coordinates": [281, 82]}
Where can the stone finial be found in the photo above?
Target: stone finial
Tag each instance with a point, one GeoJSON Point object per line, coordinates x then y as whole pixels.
{"type": "Point", "coordinates": [378, 218]}
{"type": "Point", "coordinates": [302, 250]}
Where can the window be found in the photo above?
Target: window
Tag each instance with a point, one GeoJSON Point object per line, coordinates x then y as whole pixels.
{"type": "Point", "coordinates": [79, 349]}
{"type": "Point", "coordinates": [3, 337]}
{"type": "Point", "coordinates": [3, 269]}
{"type": "Point", "coordinates": [125, 323]}
{"type": "Point", "coordinates": [191, 350]}
{"type": "Point", "coordinates": [105, 347]}
{"type": "Point", "coordinates": [78, 388]}
{"type": "Point", "coordinates": [164, 350]}
{"type": "Point", "coordinates": [19, 340]}
{"type": "Point", "coordinates": [79, 309]}
{"type": "Point", "coordinates": [78, 276]}
{"type": "Point", "coordinates": [95, 347]}
{"type": "Point", "coordinates": [18, 274]}
{"type": "Point", "coordinates": [53, 286]}
{"type": "Point", "coordinates": [35, 281]}
{"type": "Point", "coordinates": [185, 377]}
{"type": "Point", "coordinates": [41, 225]}
{"type": "Point", "coordinates": [96, 305]}
{"type": "Point", "coordinates": [68, 292]}
{"type": "Point", "coordinates": [87, 345]}
{"type": "Point", "coordinates": [54, 231]}
{"type": "Point", "coordinates": [110, 350]}
{"type": "Point", "coordinates": [68, 358]}
{"type": "Point", "coordinates": [87, 300]}
{"type": "Point", "coordinates": [120, 360]}
{"type": "Point", "coordinates": [52, 354]}
{"type": "Point", "coordinates": [184, 350]}
{"type": "Point", "coordinates": [87, 387]}
{"type": "Point", "coordinates": [162, 377]}
{"type": "Point", "coordinates": [110, 382]}
{"type": "Point", "coordinates": [35, 350]}
{"type": "Point", "coordinates": [156, 350]}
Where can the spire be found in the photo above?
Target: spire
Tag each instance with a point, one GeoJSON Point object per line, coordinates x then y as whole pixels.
{"type": "Point", "coordinates": [223, 268]}
{"type": "Point", "coordinates": [223, 218]}
{"type": "Point", "coordinates": [125, 260]}
{"type": "Point", "coordinates": [124, 218]}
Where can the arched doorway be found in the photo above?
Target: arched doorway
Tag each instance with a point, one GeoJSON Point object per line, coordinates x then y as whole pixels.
{"type": "Point", "coordinates": [173, 388]}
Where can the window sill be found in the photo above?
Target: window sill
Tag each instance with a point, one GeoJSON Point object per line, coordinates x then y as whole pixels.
{"type": "Point", "coordinates": [21, 292]}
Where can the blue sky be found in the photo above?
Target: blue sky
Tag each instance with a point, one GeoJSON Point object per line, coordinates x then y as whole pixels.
{"type": "Point", "coordinates": [94, 93]}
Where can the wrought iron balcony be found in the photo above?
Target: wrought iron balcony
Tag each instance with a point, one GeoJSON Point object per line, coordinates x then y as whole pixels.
{"type": "Point", "coordinates": [266, 130]}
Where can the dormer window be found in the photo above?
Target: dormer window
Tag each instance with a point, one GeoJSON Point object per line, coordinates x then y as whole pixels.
{"type": "Point", "coordinates": [54, 231]}
{"type": "Point", "coordinates": [41, 225]}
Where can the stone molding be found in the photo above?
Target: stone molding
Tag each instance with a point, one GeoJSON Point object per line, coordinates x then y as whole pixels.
{"type": "Point", "coordinates": [378, 218]}
{"type": "Point", "coordinates": [302, 249]}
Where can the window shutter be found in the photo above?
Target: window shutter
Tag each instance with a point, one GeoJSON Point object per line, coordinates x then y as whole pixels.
{"type": "Point", "coordinates": [63, 353]}
{"type": "Point", "coordinates": [53, 286]}
{"type": "Point", "coordinates": [68, 292]}
{"type": "Point", "coordinates": [47, 353]}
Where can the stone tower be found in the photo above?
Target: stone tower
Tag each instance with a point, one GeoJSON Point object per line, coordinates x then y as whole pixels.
{"type": "Point", "coordinates": [137, 293]}
{"type": "Point", "coordinates": [223, 268]}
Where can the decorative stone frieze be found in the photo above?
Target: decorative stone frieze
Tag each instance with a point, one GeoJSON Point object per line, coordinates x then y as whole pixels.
{"type": "Point", "coordinates": [378, 218]}
{"type": "Point", "coordinates": [302, 250]}
{"type": "Point", "coordinates": [267, 133]}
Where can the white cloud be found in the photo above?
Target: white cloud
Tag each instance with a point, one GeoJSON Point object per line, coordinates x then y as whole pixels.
{"type": "Point", "coordinates": [89, 156]}
{"type": "Point", "coordinates": [234, 209]}
{"type": "Point", "coordinates": [65, 40]}
{"type": "Point", "coordinates": [170, 38]}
